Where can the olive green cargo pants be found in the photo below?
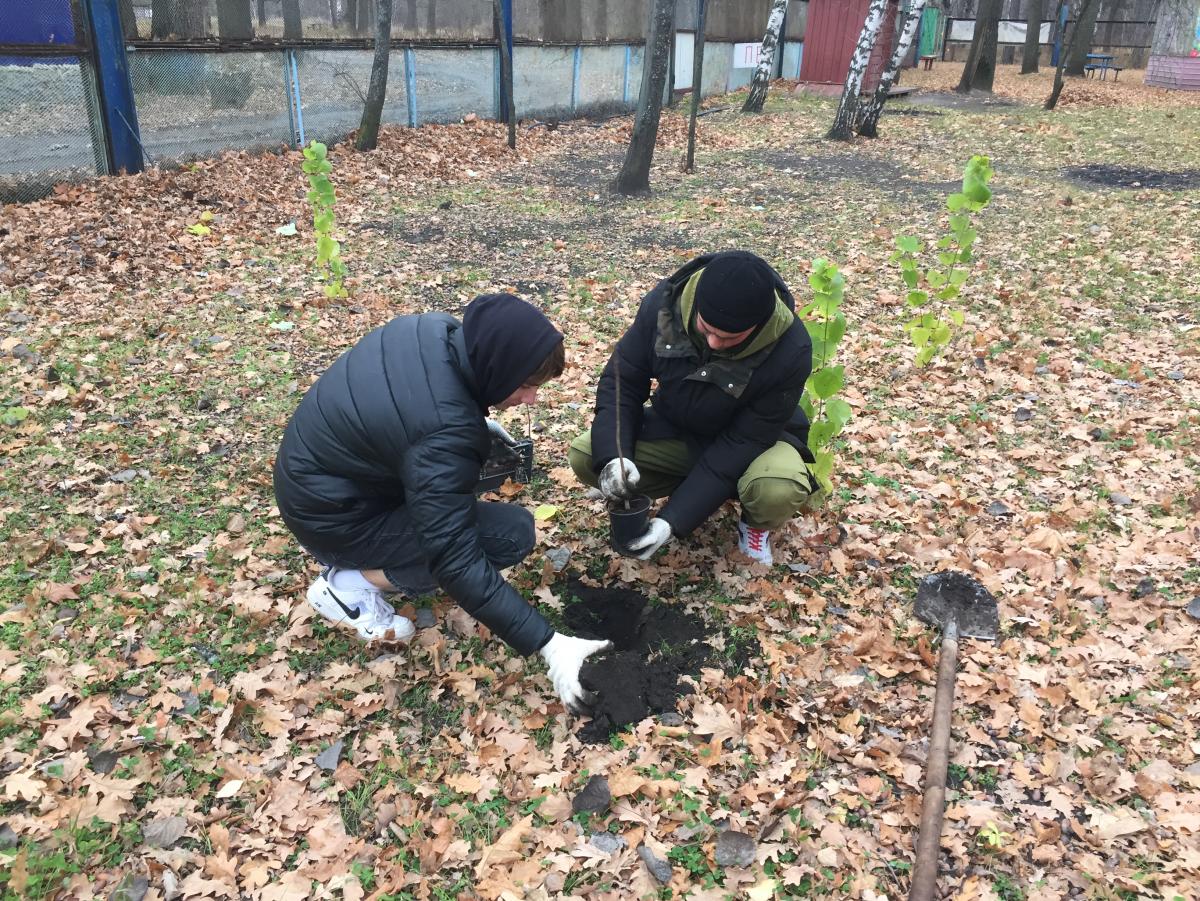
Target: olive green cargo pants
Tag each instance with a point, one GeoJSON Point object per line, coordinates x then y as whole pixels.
{"type": "Point", "coordinates": [776, 486]}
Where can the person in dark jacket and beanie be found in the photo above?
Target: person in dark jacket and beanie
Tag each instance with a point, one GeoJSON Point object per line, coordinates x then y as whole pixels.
{"type": "Point", "coordinates": [376, 473]}
{"type": "Point", "coordinates": [730, 357]}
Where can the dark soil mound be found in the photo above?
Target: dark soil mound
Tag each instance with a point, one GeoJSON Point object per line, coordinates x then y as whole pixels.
{"type": "Point", "coordinates": [1130, 177]}
{"type": "Point", "coordinates": [654, 644]}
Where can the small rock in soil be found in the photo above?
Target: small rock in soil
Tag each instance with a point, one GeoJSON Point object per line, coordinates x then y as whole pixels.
{"type": "Point", "coordinates": [125, 475]}
{"type": "Point", "coordinates": [670, 718]}
{"type": "Point", "coordinates": [1193, 609]}
{"type": "Point", "coordinates": [66, 613]}
{"type": "Point", "coordinates": [735, 849]}
{"type": "Point", "coordinates": [607, 842]}
{"type": "Point", "coordinates": [328, 759]}
{"type": "Point", "coordinates": [1121, 500]}
{"type": "Point", "coordinates": [1023, 414]}
{"type": "Point", "coordinates": [131, 888]}
{"type": "Point", "coordinates": [191, 702]}
{"type": "Point", "coordinates": [1097, 434]}
{"type": "Point", "coordinates": [554, 882]}
{"type": "Point", "coordinates": [559, 557]}
{"type": "Point", "coordinates": [8, 838]}
{"type": "Point", "coordinates": [800, 568]}
{"type": "Point", "coordinates": [998, 508]}
{"type": "Point", "coordinates": [1145, 588]}
{"type": "Point", "coordinates": [594, 798]}
{"type": "Point", "coordinates": [424, 618]}
{"type": "Point", "coordinates": [1175, 375]}
{"type": "Point", "coordinates": [659, 868]}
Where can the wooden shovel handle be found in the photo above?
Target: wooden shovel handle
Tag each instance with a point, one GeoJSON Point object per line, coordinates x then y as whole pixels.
{"type": "Point", "coordinates": [924, 880]}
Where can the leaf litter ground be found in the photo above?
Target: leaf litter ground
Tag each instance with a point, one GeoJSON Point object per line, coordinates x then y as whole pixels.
{"type": "Point", "coordinates": [174, 718]}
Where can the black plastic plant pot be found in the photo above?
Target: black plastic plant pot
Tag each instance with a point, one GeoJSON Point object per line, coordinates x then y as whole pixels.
{"type": "Point", "coordinates": [627, 523]}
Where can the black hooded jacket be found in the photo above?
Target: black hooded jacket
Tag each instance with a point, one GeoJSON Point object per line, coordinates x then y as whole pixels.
{"type": "Point", "coordinates": [397, 420]}
{"type": "Point", "coordinates": [728, 410]}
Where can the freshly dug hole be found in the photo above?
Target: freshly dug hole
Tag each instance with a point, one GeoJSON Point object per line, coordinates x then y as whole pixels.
{"type": "Point", "coordinates": [654, 644]}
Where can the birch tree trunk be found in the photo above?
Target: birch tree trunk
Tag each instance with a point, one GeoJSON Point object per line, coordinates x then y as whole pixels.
{"type": "Point", "coordinates": [766, 59]}
{"type": "Point", "coordinates": [368, 131]}
{"type": "Point", "coordinates": [847, 111]}
{"type": "Point", "coordinates": [1033, 32]}
{"type": "Point", "coordinates": [869, 127]}
{"type": "Point", "coordinates": [635, 171]}
{"type": "Point", "coordinates": [987, 24]}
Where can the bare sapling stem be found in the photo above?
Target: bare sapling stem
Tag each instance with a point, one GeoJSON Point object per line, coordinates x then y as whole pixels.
{"type": "Point", "coordinates": [620, 454]}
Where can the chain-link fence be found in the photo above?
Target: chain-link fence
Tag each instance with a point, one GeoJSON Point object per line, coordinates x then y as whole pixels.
{"type": "Point", "coordinates": [49, 118]}
{"type": "Point", "coordinates": [195, 95]}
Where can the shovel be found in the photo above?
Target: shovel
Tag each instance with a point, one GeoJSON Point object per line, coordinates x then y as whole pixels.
{"type": "Point", "coordinates": [959, 606]}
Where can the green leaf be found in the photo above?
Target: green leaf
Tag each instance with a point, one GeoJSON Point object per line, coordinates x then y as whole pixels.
{"type": "Point", "coordinates": [947, 258]}
{"type": "Point", "coordinates": [958, 276]}
{"type": "Point", "coordinates": [956, 316]}
{"type": "Point", "coordinates": [908, 244]}
{"type": "Point", "coordinates": [917, 298]}
{"type": "Point", "coordinates": [835, 329]}
{"type": "Point", "coordinates": [941, 334]}
{"type": "Point", "coordinates": [924, 355]}
{"type": "Point", "coordinates": [920, 336]}
{"type": "Point", "coordinates": [806, 405]}
{"type": "Point", "coordinates": [825, 383]}
{"type": "Point", "coordinates": [544, 512]}
{"type": "Point", "coordinates": [822, 469]}
{"type": "Point", "coordinates": [911, 279]}
{"type": "Point", "coordinates": [286, 230]}
{"type": "Point", "coordinates": [935, 278]}
{"type": "Point", "coordinates": [839, 412]}
{"type": "Point", "coordinates": [820, 433]}
{"type": "Point", "coordinates": [200, 229]}
{"type": "Point", "coordinates": [326, 247]}
{"type": "Point", "coordinates": [945, 242]}
{"type": "Point", "coordinates": [948, 293]}
{"type": "Point", "coordinates": [956, 202]}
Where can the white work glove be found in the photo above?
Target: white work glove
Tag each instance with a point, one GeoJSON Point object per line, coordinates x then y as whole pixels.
{"type": "Point", "coordinates": [497, 431]}
{"type": "Point", "coordinates": [610, 479]}
{"type": "Point", "coordinates": [658, 532]}
{"type": "Point", "coordinates": [564, 656]}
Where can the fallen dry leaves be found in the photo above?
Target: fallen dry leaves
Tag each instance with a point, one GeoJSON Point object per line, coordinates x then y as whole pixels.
{"type": "Point", "coordinates": [173, 712]}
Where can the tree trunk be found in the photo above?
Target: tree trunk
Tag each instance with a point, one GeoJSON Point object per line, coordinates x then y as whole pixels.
{"type": "Point", "coordinates": [697, 83]}
{"type": "Point", "coordinates": [333, 14]}
{"type": "Point", "coordinates": [869, 127]}
{"type": "Point", "coordinates": [128, 20]}
{"type": "Point", "coordinates": [352, 15]}
{"type": "Point", "coordinates": [847, 111]}
{"type": "Point", "coordinates": [766, 59]}
{"type": "Point", "coordinates": [1033, 31]}
{"type": "Point", "coordinates": [368, 131]}
{"type": "Point", "coordinates": [1067, 50]}
{"type": "Point", "coordinates": [985, 71]}
{"type": "Point", "coordinates": [1176, 29]}
{"type": "Point", "coordinates": [671, 98]}
{"type": "Point", "coordinates": [506, 72]}
{"type": "Point", "coordinates": [987, 25]}
{"type": "Point", "coordinates": [293, 24]}
{"type": "Point", "coordinates": [1081, 41]}
{"type": "Point", "coordinates": [262, 13]}
{"type": "Point", "coordinates": [234, 21]}
{"type": "Point", "coordinates": [635, 172]}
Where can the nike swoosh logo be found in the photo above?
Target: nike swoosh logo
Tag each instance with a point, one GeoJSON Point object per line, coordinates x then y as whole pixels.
{"type": "Point", "coordinates": [350, 612]}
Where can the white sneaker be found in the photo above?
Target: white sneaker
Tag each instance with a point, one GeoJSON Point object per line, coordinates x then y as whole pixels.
{"type": "Point", "coordinates": [363, 610]}
{"type": "Point", "coordinates": [755, 543]}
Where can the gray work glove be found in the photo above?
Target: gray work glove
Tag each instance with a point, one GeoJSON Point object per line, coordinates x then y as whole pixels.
{"type": "Point", "coordinates": [564, 657]}
{"type": "Point", "coordinates": [658, 532]}
{"type": "Point", "coordinates": [497, 431]}
{"type": "Point", "coordinates": [611, 485]}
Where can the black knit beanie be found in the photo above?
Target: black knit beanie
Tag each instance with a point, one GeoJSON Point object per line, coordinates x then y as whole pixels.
{"type": "Point", "coordinates": [507, 340]}
{"type": "Point", "coordinates": [736, 291]}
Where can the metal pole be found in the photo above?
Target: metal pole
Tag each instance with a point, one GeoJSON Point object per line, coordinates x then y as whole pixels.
{"type": "Point", "coordinates": [506, 23]}
{"type": "Point", "coordinates": [118, 108]}
{"type": "Point", "coordinates": [410, 84]}
{"type": "Point", "coordinates": [297, 97]}
{"type": "Point", "coordinates": [575, 74]}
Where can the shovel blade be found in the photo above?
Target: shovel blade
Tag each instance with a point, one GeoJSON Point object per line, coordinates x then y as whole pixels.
{"type": "Point", "coordinates": [956, 596]}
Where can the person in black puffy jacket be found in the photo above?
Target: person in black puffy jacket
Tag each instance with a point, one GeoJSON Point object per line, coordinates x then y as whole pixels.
{"type": "Point", "coordinates": [376, 473]}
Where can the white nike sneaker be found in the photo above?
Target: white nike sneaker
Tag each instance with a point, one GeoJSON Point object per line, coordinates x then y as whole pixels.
{"type": "Point", "coordinates": [755, 543]}
{"type": "Point", "coordinates": [363, 610]}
